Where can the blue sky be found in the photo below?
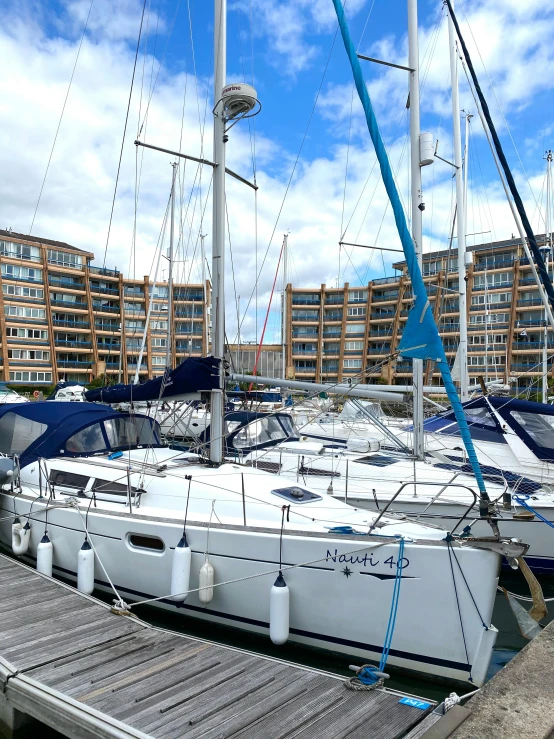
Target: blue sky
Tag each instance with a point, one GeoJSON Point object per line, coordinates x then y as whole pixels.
{"type": "Point", "coordinates": [291, 41]}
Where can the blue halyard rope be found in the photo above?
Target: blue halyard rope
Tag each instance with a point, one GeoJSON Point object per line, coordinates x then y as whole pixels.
{"type": "Point", "coordinates": [521, 499]}
{"type": "Point", "coordinates": [422, 302]}
{"type": "Point", "coordinates": [393, 608]}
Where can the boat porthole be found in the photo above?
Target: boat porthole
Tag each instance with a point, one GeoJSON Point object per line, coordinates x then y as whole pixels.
{"type": "Point", "coordinates": [146, 542]}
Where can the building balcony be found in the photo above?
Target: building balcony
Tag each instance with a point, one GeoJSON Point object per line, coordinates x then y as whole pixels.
{"type": "Point", "coordinates": [34, 321]}
{"type": "Point", "coordinates": [380, 332]}
{"type": "Point", "coordinates": [73, 364]}
{"type": "Point", "coordinates": [330, 333]}
{"type": "Point", "coordinates": [527, 281]}
{"type": "Point", "coordinates": [386, 281]}
{"type": "Point", "coordinates": [69, 322]}
{"type": "Point", "coordinates": [385, 298]}
{"type": "Point", "coordinates": [73, 344]}
{"type": "Point", "coordinates": [105, 290]}
{"type": "Point", "coordinates": [304, 352]}
{"type": "Point", "coordinates": [185, 297]}
{"type": "Point", "coordinates": [31, 363]}
{"type": "Point", "coordinates": [305, 301]}
{"type": "Point", "coordinates": [489, 264]}
{"type": "Point", "coordinates": [449, 328]}
{"type": "Point", "coordinates": [453, 308]}
{"type": "Point", "coordinates": [132, 293]}
{"type": "Point", "coordinates": [61, 282]}
{"type": "Point", "coordinates": [104, 271]}
{"type": "Point", "coordinates": [529, 302]}
{"type": "Point", "coordinates": [30, 280]}
{"type": "Point", "coordinates": [105, 308]}
{"type": "Point", "coordinates": [521, 345]}
{"type": "Point", "coordinates": [69, 304]}
{"type": "Point", "coordinates": [496, 286]}
{"type": "Point", "coordinates": [334, 300]}
{"type": "Point", "coordinates": [527, 366]}
{"type": "Point", "coordinates": [486, 327]}
{"type": "Point", "coordinates": [306, 333]}
{"type": "Point", "coordinates": [383, 315]}
{"type": "Point", "coordinates": [26, 341]}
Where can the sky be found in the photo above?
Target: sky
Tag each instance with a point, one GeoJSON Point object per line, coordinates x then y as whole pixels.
{"type": "Point", "coordinates": [66, 88]}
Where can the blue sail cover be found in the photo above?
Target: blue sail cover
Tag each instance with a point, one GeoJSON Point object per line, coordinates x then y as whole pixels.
{"type": "Point", "coordinates": [45, 430]}
{"type": "Point", "coordinates": [420, 338]}
{"type": "Point", "coordinates": [194, 375]}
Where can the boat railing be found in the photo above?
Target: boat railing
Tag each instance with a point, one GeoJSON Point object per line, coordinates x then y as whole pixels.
{"type": "Point", "coordinates": [443, 486]}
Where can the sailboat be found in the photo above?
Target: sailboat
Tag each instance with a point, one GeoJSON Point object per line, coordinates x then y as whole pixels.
{"type": "Point", "coordinates": [92, 495]}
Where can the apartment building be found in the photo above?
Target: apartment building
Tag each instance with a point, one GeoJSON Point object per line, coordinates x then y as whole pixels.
{"type": "Point", "coordinates": [61, 318]}
{"type": "Point", "coordinates": [336, 333]}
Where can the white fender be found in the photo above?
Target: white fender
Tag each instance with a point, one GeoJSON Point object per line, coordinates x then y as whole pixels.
{"type": "Point", "coordinates": [279, 611]}
{"type": "Point", "coordinates": [206, 582]}
{"type": "Point", "coordinates": [180, 570]}
{"type": "Point", "coordinates": [21, 536]}
{"type": "Point", "coordinates": [45, 555]}
{"type": "Point", "coordinates": [85, 568]}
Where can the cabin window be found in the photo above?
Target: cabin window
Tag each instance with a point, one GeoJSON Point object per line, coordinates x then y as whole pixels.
{"type": "Point", "coordinates": [539, 426]}
{"type": "Point", "coordinates": [89, 440]}
{"type": "Point", "coordinates": [479, 415]}
{"type": "Point", "coordinates": [68, 479]}
{"type": "Point", "coordinates": [259, 432]}
{"type": "Point", "coordinates": [143, 541]}
{"type": "Point", "coordinates": [17, 433]}
{"type": "Point", "coordinates": [294, 494]}
{"type": "Point", "coordinates": [127, 432]}
{"type": "Point", "coordinates": [111, 488]}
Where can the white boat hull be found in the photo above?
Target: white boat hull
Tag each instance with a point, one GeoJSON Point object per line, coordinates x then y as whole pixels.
{"type": "Point", "coordinates": [341, 602]}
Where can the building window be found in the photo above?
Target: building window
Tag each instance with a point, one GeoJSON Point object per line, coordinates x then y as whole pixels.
{"type": "Point", "coordinates": [357, 296]}
{"type": "Point", "coordinates": [20, 291]}
{"type": "Point", "coordinates": [15, 310]}
{"type": "Point", "coordinates": [493, 339]}
{"type": "Point", "coordinates": [135, 325]}
{"type": "Point", "coordinates": [64, 258]}
{"type": "Point", "coordinates": [26, 333]}
{"type": "Point", "coordinates": [159, 342]}
{"type": "Point", "coordinates": [478, 360]}
{"type": "Point", "coordinates": [357, 311]}
{"type": "Point", "coordinates": [19, 376]}
{"type": "Point", "coordinates": [352, 364]}
{"type": "Point", "coordinates": [158, 360]}
{"type": "Point", "coordinates": [491, 298]}
{"type": "Point", "coordinates": [161, 291]}
{"type": "Point", "coordinates": [158, 325]}
{"type": "Point", "coordinates": [489, 318]}
{"type": "Point", "coordinates": [19, 251]}
{"type": "Point", "coordinates": [355, 328]}
{"type": "Point", "coordinates": [21, 273]}
{"type": "Point", "coordinates": [496, 279]}
{"type": "Point", "coordinates": [354, 346]}
{"type": "Point", "coordinates": [29, 354]}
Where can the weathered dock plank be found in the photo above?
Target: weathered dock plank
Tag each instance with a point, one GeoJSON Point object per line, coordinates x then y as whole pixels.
{"type": "Point", "coordinates": [67, 660]}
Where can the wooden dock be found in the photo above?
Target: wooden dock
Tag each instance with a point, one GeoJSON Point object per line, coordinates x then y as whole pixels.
{"type": "Point", "coordinates": [69, 662]}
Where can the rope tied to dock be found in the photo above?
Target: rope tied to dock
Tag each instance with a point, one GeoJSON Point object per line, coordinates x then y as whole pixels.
{"type": "Point", "coordinates": [367, 677]}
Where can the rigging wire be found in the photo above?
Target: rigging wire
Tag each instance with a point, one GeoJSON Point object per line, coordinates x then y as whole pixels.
{"type": "Point", "coordinates": [498, 103]}
{"type": "Point", "coordinates": [297, 159]}
{"type": "Point", "coordinates": [124, 133]}
{"type": "Point", "coordinates": [61, 116]}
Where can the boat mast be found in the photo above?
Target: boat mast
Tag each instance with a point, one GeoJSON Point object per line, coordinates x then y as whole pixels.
{"type": "Point", "coordinates": [417, 208]}
{"type": "Point", "coordinates": [460, 217]}
{"type": "Point", "coordinates": [284, 305]}
{"type": "Point", "coordinates": [549, 256]}
{"type": "Point", "coordinates": [170, 318]}
{"type": "Point", "coordinates": [218, 229]}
